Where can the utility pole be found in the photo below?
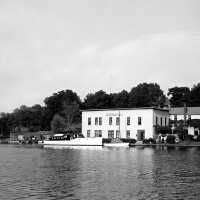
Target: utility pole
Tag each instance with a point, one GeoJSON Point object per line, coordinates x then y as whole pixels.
{"type": "Point", "coordinates": [185, 119]}
{"type": "Point", "coordinates": [119, 124]}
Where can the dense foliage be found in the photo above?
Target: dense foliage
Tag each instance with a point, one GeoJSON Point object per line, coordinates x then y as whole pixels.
{"type": "Point", "coordinates": [184, 95]}
{"type": "Point", "coordinates": [58, 124]}
{"type": "Point", "coordinates": [179, 96]}
{"type": "Point", "coordinates": [67, 105]}
{"type": "Point", "coordinates": [170, 139]}
{"type": "Point", "coordinates": [146, 95]}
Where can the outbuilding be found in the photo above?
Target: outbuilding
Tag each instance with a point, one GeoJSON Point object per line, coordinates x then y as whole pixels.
{"type": "Point", "coordinates": [191, 116]}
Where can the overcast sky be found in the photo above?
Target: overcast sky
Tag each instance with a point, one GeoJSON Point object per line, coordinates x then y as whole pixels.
{"type": "Point", "coordinates": [87, 45]}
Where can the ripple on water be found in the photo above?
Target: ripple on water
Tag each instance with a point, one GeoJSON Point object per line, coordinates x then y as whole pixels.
{"type": "Point", "coordinates": [99, 173]}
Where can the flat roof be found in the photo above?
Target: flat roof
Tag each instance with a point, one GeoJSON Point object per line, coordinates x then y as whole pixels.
{"type": "Point", "coordinates": [180, 110]}
{"type": "Point", "coordinates": [113, 109]}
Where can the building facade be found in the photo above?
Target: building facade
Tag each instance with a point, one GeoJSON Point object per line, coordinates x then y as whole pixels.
{"type": "Point", "coordinates": [188, 114]}
{"type": "Point", "coordinates": [137, 123]}
{"type": "Point", "coordinates": [177, 113]}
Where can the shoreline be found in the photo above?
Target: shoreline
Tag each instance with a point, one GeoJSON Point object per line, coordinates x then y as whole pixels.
{"type": "Point", "coordinates": [181, 144]}
{"type": "Point", "coordinates": [165, 145]}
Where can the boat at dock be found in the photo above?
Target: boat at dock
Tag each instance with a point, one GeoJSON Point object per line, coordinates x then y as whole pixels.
{"type": "Point", "coordinates": [65, 140]}
{"type": "Point", "coordinates": [116, 143]}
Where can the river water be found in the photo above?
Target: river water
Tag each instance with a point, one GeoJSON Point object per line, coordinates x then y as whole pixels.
{"type": "Point", "coordinates": [31, 172]}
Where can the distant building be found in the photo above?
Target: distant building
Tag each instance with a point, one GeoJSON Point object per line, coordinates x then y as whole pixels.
{"type": "Point", "coordinates": [177, 113]}
{"type": "Point", "coordinates": [191, 114]}
{"type": "Point", "coordinates": [137, 123]}
{"type": "Point", "coordinates": [22, 136]}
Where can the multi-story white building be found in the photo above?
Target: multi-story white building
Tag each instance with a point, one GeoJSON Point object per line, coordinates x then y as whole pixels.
{"type": "Point", "coordinates": [137, 123]}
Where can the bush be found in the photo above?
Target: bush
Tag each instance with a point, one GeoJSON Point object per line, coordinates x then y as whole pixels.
{"type": "Point", "coordinates": [149, 141]}
{"type": "Point", "coordinates": [198, 138]}
{"type": "Point", "coordinates": [106, 140]}
{"type": "Point", "coordinates": [145, 141]}
{"type": "Point", "coordinates": [190, 137]}
{"type": "Point", "coordinates": [170, 139]}
{"type": "Point", "coordinates": [152, 141]}
{"type": "Point", "coordinates": [130, 140]}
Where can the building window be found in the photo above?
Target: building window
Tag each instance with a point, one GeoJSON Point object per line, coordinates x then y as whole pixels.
{"type": "Point", "coordinates": [100, 121]}
{"type": "Point", "coordinates": [139, 120]}
{"type": "Point", "coordinates": [165, 121]}
{"type": "Point", "coordinates": [117, 121]}
{"type": "Point", "coordinates": [111, 134]}
{"type": "Point", "coordinates": [110, 120]}
{"type": "Point", "coordinates": [128, 134]}
{"type": "Point", "coordinates": [88, 133]}
{"type": "Point", "coordinates": [98, 133]}
{"type": "Point", "coordinates": [156, 121]}
{"type": "Point", "coordinates": [96, 120]}
{"type": "Point", "coordinates": [118, 134]}
{"type": "Point", "coordinates": [161, 121]}
{"type": "Point", "coordinates": [89, 120]}
{"type": "Point", "coordinates": [128, 120]}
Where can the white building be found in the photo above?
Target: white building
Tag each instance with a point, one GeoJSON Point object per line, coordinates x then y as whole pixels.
{"type": "Point", "coordinates": [137, 123]}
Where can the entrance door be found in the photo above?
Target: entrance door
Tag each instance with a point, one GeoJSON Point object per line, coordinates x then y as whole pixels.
{"type": "Point", "coordinates": [140, 135]}
{"type": "Point", "coordinates": [111, 134]}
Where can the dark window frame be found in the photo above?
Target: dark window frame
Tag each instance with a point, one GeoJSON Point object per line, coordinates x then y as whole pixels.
{"type": "Point", "coordinates": [128, 121]}
{"type": "Point", "coordinates": [89, 121]}
{"type": "Point", "coordinates": [117, 121]}
{"type": "Point", "coordinates": [139, 120]}
{"type": "Point", "coordinates": [110, 120]}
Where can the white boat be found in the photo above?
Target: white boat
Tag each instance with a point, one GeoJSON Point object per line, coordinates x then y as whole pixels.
{"type": "Point", "coordinates": [120, 144]}
{"type": "Point", "coordinates": [73, 147]}
{"type": "Point", "coordinates": [61, 140]}
{"type": "Point", "coordinates": [116, 143]}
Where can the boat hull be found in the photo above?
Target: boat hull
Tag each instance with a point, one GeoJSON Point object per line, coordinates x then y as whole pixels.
{"type": "Point", "coordinates": [121, 144]}
{"type": "Point", "coordinates": [75, 142]}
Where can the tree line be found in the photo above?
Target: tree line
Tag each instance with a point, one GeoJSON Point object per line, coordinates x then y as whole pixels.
{"type": "Point", "coordinates": [63, 109]}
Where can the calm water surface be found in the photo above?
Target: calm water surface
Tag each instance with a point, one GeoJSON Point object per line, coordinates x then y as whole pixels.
{"type": "Point", "coordinates": [28, 172]}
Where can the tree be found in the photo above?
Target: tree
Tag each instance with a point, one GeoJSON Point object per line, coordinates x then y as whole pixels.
{"type": "Point", "coordinates": [179, 96]}
{"type": "Point", "coordinates": [120, 100]}
{"type": "Point", "coordinates": [58, 124]}
{"type": "Point", "coordinates": [98, 100]}
{"type": "Point", "coordinates": [4, 129]}
{"type": "Point", "coordinates": [194, 123]}
{"type": "Point", "coordinates": [70, 111]}
{"type": "Point", "coordinates": [37, 118]}
{"type": "Point", "coordinates": [195, 95]}
{"type": "Point", "coordinates": [146, 95]}
{"type": "Point", "coordinates": [54, 103]}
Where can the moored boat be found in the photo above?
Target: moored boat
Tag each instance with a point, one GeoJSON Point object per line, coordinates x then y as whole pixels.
{"type": "Point", "coordinates": [121, 144]}
{"type": "Point", "coordinates": [62, 140]}
{"type": "Point", "coordinates": [116, 143]}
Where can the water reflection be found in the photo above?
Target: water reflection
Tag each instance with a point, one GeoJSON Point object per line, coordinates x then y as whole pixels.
{"type": "Point", "coordinates": [73, 147]}
{"type": "Point", "coordinates": [175, 173]}
{"type": "Point", "coordinates": [99, 173]}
